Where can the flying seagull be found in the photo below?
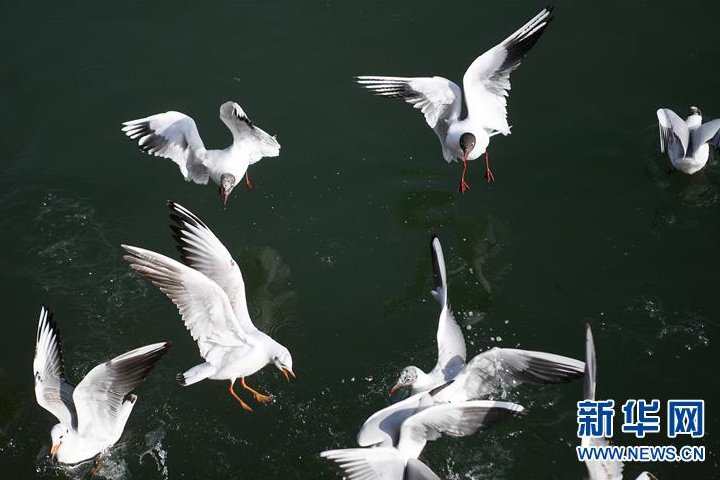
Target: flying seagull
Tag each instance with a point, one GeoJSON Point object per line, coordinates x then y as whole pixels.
{"type": "Point", "coordinates": [687, 142]}
{"type": "Point", "coordinates": [399, 460]}
{"type": "Point", "coordinates": [600, 469]}
{"type": "Point", "coordinates": [92, 414]}
{"type": "Point", "coordinates": [210, 294]}
{"type": "Point", "coordinates": [486, 371]}
{"type": "Point", "coordinates": [486, 84]}
{"type": "Point", "coordinates": [174, 135]}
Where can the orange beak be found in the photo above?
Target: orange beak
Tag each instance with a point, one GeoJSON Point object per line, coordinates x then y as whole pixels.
{"type": "Point", "coordinates": [395, 388]}
{"type": "Point", "coordinates": [287, 371]}
{"type": "Point", "coordinates": [54, 449]}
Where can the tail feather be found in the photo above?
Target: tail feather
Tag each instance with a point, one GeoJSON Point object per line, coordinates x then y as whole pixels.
{"type": "Point", "coordinates": [195, 374]}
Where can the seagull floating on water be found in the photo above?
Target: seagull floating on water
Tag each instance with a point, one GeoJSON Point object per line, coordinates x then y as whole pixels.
{"type": "Point", "coordinates": [92, 414]}
{"type": "Point", "coordinates": [174, 135]}
{"type": "Point", "coordinates": [487, 371]}
{"type": "Point", "coordinates": [486, 84]}
{"type": "Point", "coordinates": [399, 460]}
{"type": "Point", "coordinates": [600, 469]}
{"type": "Point", "coordinates": [209, 292]}
{"type": "Point", "coordinates": [687, 142]}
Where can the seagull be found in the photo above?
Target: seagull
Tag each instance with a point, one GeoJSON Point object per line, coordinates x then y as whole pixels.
{"type": "Point", "coordinates": [92, 414]}
{"type": "Point", "coordinates": [687, 141]}
{"type": "Point", "coordinates": [174, 135]}
{"type": "Point", "coordinates": [601, 469]}
{"type": "Point", "coordinates": [486, 371]}
{"type": "Point", "coordinates": [209, 292]}
{"type": "Point", "coordinates": [399, 461]}
{"type": "Point", "coordinates": [486, 85]}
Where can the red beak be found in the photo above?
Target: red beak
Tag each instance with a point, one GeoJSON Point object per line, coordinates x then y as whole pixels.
{"type": "Point", "coordinates": [395, 388]}
{"type": "Point", "coordinates": [286, 372]}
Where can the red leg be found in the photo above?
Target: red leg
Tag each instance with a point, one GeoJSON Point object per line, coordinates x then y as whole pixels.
{"type": "Point", "coordinates": [488, 174]}
{"type": "Point", "coordinates": [258, 396]}
{"type": "Point", "coordinates": [242, 404]}
{"type": "Point", "coordinates": [463, 184]}
{"type": "Point", "coordinates": [247, 181]}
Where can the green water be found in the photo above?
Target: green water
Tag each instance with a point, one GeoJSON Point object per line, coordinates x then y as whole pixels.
{"type": "Point", "coordinates": [582, 225]}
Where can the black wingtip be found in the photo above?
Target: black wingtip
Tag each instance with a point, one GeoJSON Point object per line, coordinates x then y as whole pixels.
{"type": "Point", "coordinates": [436, 390]}
{"type": "Point", "coordinates": [180, 378]}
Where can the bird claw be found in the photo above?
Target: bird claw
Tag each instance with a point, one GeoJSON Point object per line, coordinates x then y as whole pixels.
{"type": "Point", "coordinates": [463, 186]}
{"type": "Point", "coordinates": [260, 398]}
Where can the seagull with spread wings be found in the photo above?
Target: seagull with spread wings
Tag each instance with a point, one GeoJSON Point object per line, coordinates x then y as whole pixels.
{"type": "Point", "coordinates": [687, 142]}
{"type": "Point", "coordinates": [486, 84]}
{"type": "Point", "coordinates": [174, 135]}
{"type": "Point", "coordinates": [92, 414]}
{"type": "Point", "coordinates": [487, 371]}
{"type": "Point", "coordinates": [209, 291]}
{"type": "Point", "coordinates": [398, 459]}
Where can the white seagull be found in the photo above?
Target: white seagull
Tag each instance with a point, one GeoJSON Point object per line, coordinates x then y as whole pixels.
{"type": "Point", "coordinates": [210, 295]}
{"type": "Point", "coordinates": [687, 142]}
{"type": "Point", "coordinates": [399, 461]}
{"type": "Point", "coordinates": [92, 414]}
{"type": "Point", "coordinates": [174, 135]}
{"type": "Point", "coordinates": [601, 469]}
{"type": "Point", "coordinates": [486, 84]}
{"type": "Point", "coordinates": [486, 371]}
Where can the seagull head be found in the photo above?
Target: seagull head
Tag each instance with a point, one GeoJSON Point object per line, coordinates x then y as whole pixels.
{"type": "Point", "coordinates": [408, 376]}
{"type": "Point", "coordinates": [467, 143]}
{"type": "Point", "coordinates": [283, 361]}
{"type": "Point", "coordinates": [227, 183]}
{"type": "Point", "coordinates": [695, 111]}
{"type": "Point", "coordinates": [59, 433]}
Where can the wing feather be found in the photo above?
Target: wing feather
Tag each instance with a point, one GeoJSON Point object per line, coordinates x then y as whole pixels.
{"type": "Point", "coordinates": [382, 463]}
{"type": "Point", "coordinates": [708, 132]}
{"type": "Point", "coordinates": [171, 135]}
{"type": "Point", "coordinates": [673, 131]}
{"type": "Point", "coordinates": [100, 395]}
{"type": "Point", "coordinates": [450, 340]}
{"type": "Point", "coordinates": [203, 305]}
{"type": "Point", "coordinates": [437, 98]}
{"type": "Point", "coordinates": [201, 250]}
{"type": "Point", "coordinates": [52, 389]}
{"type": "Point", "coordinates": [455, 420]}
{"type": "Point", "coordinates": [487, 81]}
{"type": "Point", "coordinates": [250, 139]}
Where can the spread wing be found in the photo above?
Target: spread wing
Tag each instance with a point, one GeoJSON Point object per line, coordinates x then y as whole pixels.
{"type": "Point", "coordinates": [383, 463]}
{"type": "Point", "coordinates": [99, 397]}
{"type": "Point", "coordinates": [455, 420]}
{"type": "Point", "coordinates": [252, 141]}
{"type": "Point", "coordinates": [707, 133]}
{"type": "Point", "coordinates": [590, 365]}
{"type": "Point", "coordinates": [201, 250]}
{"type": "Point", "coordinates": [673, 131]}
{"type": "Point", "coordinates": [171, 135]}
{"type": "Point", "coordinates": [450, 340]}
{"type": "Point", "coordinates": [509, 367]}
{"type": "Point", "coordinates": [487, 81]}
{"type": "Point", "coordinates": [602, 469]}
{"type": "Point", "coordinates": [203, 305]}
{"type": "Point", "coordinates": [437, 98]}
{"type": "Point", "coordinates": [52, 390]}
{"type": "Point", "coordinates": [383, 427]}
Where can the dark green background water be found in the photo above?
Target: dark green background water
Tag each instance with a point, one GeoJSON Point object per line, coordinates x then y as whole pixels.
{"type": "Point", "coordinates": [582, 225]}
